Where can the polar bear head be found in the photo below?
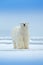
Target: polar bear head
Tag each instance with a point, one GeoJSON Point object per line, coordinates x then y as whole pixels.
{"type": "Point", "coordinates": [24, 25]}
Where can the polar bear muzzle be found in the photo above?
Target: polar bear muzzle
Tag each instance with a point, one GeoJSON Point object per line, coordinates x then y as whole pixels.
{"type": "Point", "coordinates": [24, 25]}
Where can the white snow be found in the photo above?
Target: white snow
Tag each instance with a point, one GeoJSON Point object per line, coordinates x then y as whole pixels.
{"type": "Point", "coordinates": [7, 51]}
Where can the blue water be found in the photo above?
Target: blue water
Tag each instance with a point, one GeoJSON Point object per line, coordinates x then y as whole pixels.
{"type": "Point", "coordinates": [21, 62]}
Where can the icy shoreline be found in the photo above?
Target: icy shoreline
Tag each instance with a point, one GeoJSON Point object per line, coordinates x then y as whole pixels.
{"type": "Point", "coordinates": [36, 43]}
{"type": "Point", "coordinates": [33, 40]}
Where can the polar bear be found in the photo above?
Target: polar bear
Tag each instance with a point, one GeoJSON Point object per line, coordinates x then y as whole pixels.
{"type": "Point", "coordinates": [20, 36]}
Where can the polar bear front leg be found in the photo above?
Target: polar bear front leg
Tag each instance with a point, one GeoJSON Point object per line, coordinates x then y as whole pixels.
{"type": "Point", "coordinates": [20, 43]}
{"type": "Point", "coordinates": [25, 43]}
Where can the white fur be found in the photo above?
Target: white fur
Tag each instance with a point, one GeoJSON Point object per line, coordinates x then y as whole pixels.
{"type": "Point", "coordinates": [20, 36]}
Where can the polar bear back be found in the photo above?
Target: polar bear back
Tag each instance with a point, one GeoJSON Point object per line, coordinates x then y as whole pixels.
{"type": "Point", "coordinates": [15, 33]}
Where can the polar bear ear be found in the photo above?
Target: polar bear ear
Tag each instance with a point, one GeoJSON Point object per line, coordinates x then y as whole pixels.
{"type": "Point", "coordinates": [28, 23]}
{"type": "Point", "coordinates": [21, 24]}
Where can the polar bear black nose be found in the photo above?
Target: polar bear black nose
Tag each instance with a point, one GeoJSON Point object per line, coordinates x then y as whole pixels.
{"type": "Point", "coordinates": [24, 24]}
